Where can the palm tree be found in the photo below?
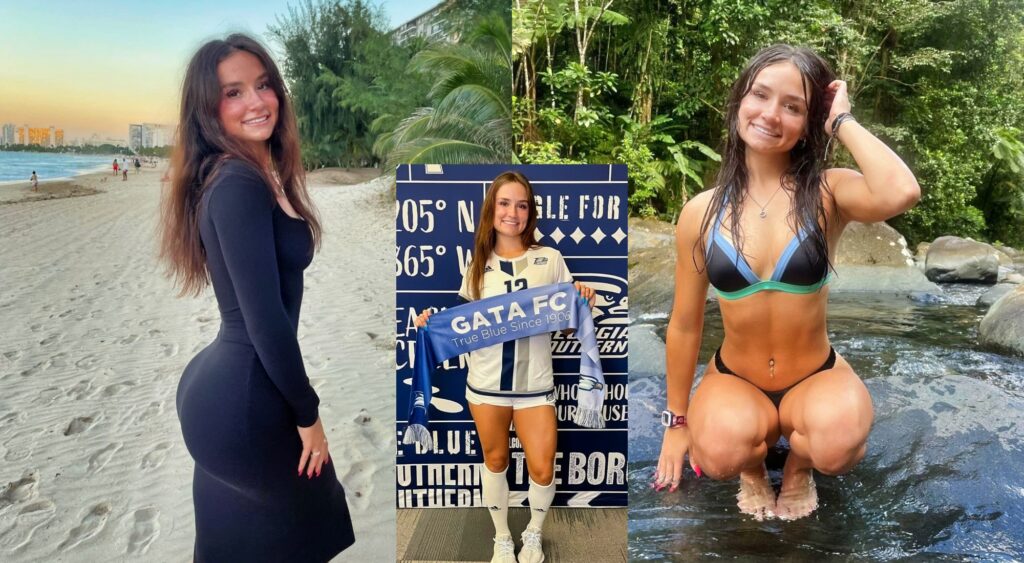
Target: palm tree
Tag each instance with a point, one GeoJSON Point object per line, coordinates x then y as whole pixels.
{"type": "Point", "coordinates": [470, 120]}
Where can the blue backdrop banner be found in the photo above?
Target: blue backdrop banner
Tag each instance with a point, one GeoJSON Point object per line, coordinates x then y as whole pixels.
{"type": "Point", "coordinates": [582, 213]}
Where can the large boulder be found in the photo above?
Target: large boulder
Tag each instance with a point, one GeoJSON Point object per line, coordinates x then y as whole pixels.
{"type": "Point", "coordinates": [1003, 325]}
{"type": "Point", "coordinates": [873, 257]}
{"type": "Point", "coordinates": [873, 244]}
{"type": "Point", "coordinates": [652, 262]}
{"type": "Point", "coordinates": [955, 259]}
{"type": "Point", "coordinates": [994, 293]}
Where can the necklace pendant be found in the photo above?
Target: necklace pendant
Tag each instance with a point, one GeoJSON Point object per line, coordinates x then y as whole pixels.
{"type": "Point", "coordinates": [763, 214]}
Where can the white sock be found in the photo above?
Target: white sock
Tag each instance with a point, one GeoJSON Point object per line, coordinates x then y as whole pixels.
{"type": "Point", "coordinates": [495, 496]}
{"type": "Point", "coordinates": [540, 501]}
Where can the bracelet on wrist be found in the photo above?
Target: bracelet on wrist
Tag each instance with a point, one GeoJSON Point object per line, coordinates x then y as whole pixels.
{"type": "Point", "coordinates": [839, 120]}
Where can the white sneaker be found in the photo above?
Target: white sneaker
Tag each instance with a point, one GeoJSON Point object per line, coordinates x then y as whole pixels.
{"type": "Point", "coordinates": [532, 551]}
{"type": "Point", "coordinates": [504, 549]}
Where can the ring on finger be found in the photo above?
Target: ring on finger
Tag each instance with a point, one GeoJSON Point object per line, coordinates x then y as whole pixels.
{"type": "Point", "coordinates": [316, 453]}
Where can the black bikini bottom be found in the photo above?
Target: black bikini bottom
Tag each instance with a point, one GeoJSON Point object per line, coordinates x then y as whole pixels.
{"type": "Point", "coordinates": [776, 396]}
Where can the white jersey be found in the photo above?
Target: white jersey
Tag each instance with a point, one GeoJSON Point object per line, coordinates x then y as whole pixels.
{"type": "Point", "coordinates": [518, 368]}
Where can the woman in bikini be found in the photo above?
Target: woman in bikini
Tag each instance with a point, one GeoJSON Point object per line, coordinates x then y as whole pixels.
{"type": "Point", "coordinates": [763, 239]}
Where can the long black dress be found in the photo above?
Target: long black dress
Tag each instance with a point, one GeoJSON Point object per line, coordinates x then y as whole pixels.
{"type": "Point", "coordinates": [241, 398]}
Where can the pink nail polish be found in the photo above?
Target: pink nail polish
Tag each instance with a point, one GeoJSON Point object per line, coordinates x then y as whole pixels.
{"type": "Point", "coordinates": [696, 469]}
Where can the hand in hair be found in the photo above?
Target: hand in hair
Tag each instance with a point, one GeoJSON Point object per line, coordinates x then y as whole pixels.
{"type": "Point", "coordinates": [837, 100]}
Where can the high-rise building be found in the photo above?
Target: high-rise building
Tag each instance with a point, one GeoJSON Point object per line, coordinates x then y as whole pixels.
{"type": "Point", "coordinates": [136, 134]}
{"type": "Point", "coordinates": [10, 134]}
{"type": "Point", "coordinates": [150, 135]}
{"type": "Point", "coordinates": [39, 136]}
{"type": "Point", "coordinates": [58, 138]}
{"type": "Point", "coordinates": [431, 24]}
{"type": "Point", "coordinates": [23, 135]}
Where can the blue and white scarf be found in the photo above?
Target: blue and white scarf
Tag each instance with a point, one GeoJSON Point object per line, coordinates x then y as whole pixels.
{"type": "Point", "coordinates": [499, 319]}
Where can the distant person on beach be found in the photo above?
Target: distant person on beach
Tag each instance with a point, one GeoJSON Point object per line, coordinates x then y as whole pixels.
{"type": "Point", "coordinates": [35, 181]}
{"type": "Point", "coordinates": [115, 167]}
{"type": "Point", "coordinates": [236, 213]}
{"type": "Point", "coordinates": [765, 238]}
{"type": "Point", "coordinates": [124, 173]}
{"type": "Point", "coordinates": [138, 165]}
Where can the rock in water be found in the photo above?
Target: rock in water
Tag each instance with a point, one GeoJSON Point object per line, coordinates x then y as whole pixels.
{"type": "Point", "coordinates": [1003, 325]}
{"type": "Point", "coordinates": [954, 259]}
{"type": "Point", "coordinates": [874, 244]}
{"type": "Point", "coordinates": [993, 295]}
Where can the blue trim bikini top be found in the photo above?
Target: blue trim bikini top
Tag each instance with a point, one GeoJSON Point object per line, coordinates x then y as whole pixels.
{"type": "Point", "coordinates": [798, 270]}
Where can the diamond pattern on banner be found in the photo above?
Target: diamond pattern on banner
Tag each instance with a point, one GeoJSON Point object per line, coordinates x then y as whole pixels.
{"type": "Point", "coordinates": [557, 235]}
{"type": "Point", "coordinates": [598, 235]}
{"type": "Point", "coordinates": [577, 235]}
{"type": "Point", "coordinates": [618, 235]}
{"type": "Point", "coordinates": [582, 499]}
{"type": "Point", "coordinates": [537, 234]}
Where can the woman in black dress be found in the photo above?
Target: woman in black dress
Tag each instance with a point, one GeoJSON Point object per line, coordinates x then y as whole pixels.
{"type": "Point", "coordinates": [238, 215]}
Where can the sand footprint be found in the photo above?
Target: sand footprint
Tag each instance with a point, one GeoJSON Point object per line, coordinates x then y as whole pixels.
{"type": "Point", "coordinates": [145, 529]}
{"type": "Point", "coordinates": [79, 424]}
{"type": "Point", "coordinates": [88, 362]}
{"type": "Point", "coordinates": [153, 410]}
{"type": "Point", "coordinates": [48, 395]}
{"type": "Point", "coordinates": [156, 456]}
{"type": "Point", "coordinates": [29, 518]}
{"type": "Point", "coordinates": [20, 491]}
{"type": "Point", "coordinates": [169, 349]}
{"type": "Point", "coordinates": [36, 368]}
{"type": "Point", "coordinates": [80, 390]}
{"type": "Point", "coordinates": [92, 524]}
{"type": "Point", "coordinates": [117, 388]}
{"type": "Point", "coordinates": [130, 339]}
{"type": "Point", "coordinates": [358, 481]}
{"type": "Point", "coordinates": [100, 459]}
{"type": "Point", "coordinates": [50, 339]}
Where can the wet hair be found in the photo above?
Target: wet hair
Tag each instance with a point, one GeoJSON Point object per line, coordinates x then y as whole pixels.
{"type": "Point", "coordinates": [202, 147]}
{"type": "Point", "coordinates": [805, 176]}
{"type": "Point", "coordinates": [485, 236]}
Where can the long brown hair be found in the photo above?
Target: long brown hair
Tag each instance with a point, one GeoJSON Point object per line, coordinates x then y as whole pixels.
{"type": "Point", "coordinates": [201, 147]}
{"type": "Point", "coordinates": [805, 176]}
{"type": "Point", "coordinates": [485, 238]}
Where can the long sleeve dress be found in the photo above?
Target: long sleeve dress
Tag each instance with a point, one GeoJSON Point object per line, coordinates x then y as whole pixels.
{"type": "Point", "coordinates": [241, 398]}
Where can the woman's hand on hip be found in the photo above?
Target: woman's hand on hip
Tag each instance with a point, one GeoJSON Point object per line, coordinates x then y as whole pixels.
{"type": "Point", "coordinates": [587, 292]}
{"type": "Point", "coordinates": [674, 447]}
{"type": "Point", "coordinates": [314, 449]}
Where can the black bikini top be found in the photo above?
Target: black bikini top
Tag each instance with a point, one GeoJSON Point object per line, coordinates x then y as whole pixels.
{"type": "Point", "coordinates": [798, 270]}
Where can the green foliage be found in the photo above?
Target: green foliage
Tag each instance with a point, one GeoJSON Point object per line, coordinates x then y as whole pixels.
{"type": "Point", "coordinates": [469, 119]}
{"type": "Point", "coordinates": [942, 83]}
{"type": "Point", "coordinates": [348, 80]}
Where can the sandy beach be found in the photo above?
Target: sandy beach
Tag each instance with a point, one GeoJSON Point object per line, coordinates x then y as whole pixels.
{"type": "Point", "coordinates": [95, 341]}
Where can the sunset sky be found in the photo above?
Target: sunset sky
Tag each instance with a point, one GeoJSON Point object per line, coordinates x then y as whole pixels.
{"type": "Point", "coordinates": [95, 67]}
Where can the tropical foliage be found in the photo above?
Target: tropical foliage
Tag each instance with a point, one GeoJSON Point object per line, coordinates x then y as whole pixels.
{"type": "Point", "coordinates": [644, 82]}
{"type": "Point", "coordinates": [347, 77]}
{"type": "Point", "coordinates": [469, 119]}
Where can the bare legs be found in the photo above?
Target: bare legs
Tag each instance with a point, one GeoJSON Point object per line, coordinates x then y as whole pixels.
{"type": "Point", "coordinates": [537, 429]}
{"type": "Point", "coordinates": [826, 418]}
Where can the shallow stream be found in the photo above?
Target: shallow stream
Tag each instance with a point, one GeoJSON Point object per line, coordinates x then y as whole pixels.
{"type": "Point", "coordinates": [943, 478]}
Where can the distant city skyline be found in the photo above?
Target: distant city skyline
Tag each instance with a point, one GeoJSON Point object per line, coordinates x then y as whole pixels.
{"type": "Point", "coordinates": [92, 69]}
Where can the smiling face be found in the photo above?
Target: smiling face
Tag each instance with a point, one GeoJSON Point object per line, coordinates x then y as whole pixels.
{"type": "Point", "coordinates": [772, 116]}
{"type": "Point", "coordinates": [248, 103]}
{"type": "Point", "coordinates": [511, 209]}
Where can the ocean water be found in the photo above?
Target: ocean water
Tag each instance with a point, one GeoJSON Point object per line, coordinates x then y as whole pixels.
{"type": "Point", "coordinates": [18, 166]}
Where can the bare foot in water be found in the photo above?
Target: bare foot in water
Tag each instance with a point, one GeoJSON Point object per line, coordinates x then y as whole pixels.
{"type": "Point", "coordinates": [756, 496]}
{"type": "Point", "coordinates": [799, 496]}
